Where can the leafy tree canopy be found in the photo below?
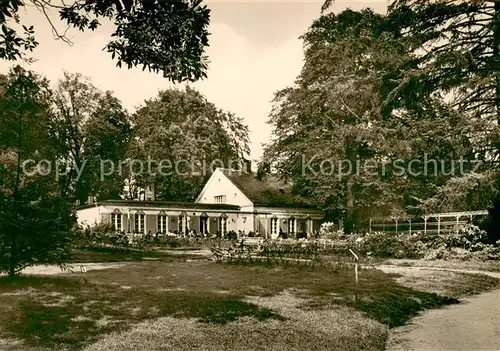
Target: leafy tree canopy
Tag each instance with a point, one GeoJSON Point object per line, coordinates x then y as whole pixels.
{"type": "Point", "coordinates": [455, 52]}
{"type": "Point", "coordinates": [338, 111]}
{"type": "Point", "coordinates": [329, 119]}
{"type": "Point", "coordinates": [188, 132]}
{"type": "Point", "coordinates": [162, 36]}
{"type": "Point", "coordinates": [89, 128]}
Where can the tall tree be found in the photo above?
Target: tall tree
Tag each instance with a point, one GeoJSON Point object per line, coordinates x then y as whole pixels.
{"type": "Point", "coordinates": [91, 129]}
{"type": "Point", "coordinates": [188, 133]}
{"type": "Point", "coordinates": [443, 98]}
{"type": "Point", "coordinates": [35, 218]}
{"type": "Point", "coordinates": [329, 120]}
{"type": "Point", "coordinates": [162, 36]}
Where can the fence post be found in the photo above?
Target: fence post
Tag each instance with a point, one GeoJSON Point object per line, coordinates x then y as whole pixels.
{"type": "Point", "coordinates": [396, 226]}
{"type": "Point", "coordinates": [356, 258]}
{"type": "Point", "coordinates": [425, 224]}
{"type": "Point", "coordinates": [439, 225]}
{"type": "Point", "coordinates": [410, 225]}
{"type": "Point", "coordinates": [370, 225]}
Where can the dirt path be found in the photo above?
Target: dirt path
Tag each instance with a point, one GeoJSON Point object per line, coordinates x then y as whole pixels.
{"type": "Point", "coordinates": [76, 267]}
{"type": "Point", "coordinates": [472, 325]}
{"type": "Point", "coordinates": [388, 268]}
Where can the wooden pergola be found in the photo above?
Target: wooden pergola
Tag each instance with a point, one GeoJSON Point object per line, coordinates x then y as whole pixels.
{"type": "Point", "coordinates": [438, 216]}
{"type": "Point", "coordinates": [456, 215]}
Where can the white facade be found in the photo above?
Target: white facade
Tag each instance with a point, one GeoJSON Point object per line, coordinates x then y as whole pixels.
{"type": "Point", "coordinates": [221, 207]}
{"type": "Point", "coordinates": [89, 216]}
{"type": "Point", "coordinates": [257, 218]}
{"type": "Point", "coordinates": [219, 185]}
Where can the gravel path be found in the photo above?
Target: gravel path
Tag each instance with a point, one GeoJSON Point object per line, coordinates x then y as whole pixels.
{"type": "Point", "coordinates": [473, 324]}
{"type": "Point", "coordinates": [76, 267]}
{"type": "Point", "coordinates": [403, 269]}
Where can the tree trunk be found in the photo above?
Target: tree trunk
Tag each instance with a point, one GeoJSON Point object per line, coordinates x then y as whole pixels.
{"type": "Point", "coordinates": [348, 227]}
{"type": "Point", "coordinates": [16, 208]}
{"type": "Point", "coordinates": [351, 154]}
{"type": "Point", "coordinates": [496, 56]}
{"type": "Point", "coordinates": [81, 189]}
{"type": "Point", "coordinates": [13, 254]}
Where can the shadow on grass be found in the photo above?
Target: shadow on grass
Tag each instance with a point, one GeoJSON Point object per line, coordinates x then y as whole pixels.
{"type": "Point", "coordinates": [96, 309]}
{"type": "Point", "coordinates": [22, 283]}
{"type": "Point", "coordinates": [113, 254]}
{"type": "Point", "coordinates": [212, 308]}
{"type": "Point", "coordinates": [396, 305]}
{"type": "Point", "coordinates": [376, 294]}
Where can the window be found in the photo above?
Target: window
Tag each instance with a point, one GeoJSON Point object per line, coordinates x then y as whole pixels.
{"type": "Point", "coordinates": [181, 224]}
{"type": "Point", "coordinates": [223, 225]}
{"type": "Point", "coordinates": [221, 199]}
{"type": "Point", "coordinates": [116, 221]}
{"type": "Point", "coordinates": [162, 223]}
{"type": "Point", "coordinates": [292, 225]}
{"type": "Point", "coordinates": [274, 226]}
{"type": "Point", "coordinates": [139, 223]}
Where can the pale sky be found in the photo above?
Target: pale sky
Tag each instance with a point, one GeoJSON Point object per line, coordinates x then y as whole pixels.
{"type": "Point", "coordinates": [254, 51]}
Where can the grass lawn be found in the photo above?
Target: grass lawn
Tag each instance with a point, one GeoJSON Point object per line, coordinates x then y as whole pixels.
{"type": "Point", "coordinates": [201, 305]}
{"type": "Point", "coordinates": [491, 266]}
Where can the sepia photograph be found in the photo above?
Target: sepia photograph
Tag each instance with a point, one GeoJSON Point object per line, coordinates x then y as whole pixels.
{"type": "Point", "coordinates": [226, 175]}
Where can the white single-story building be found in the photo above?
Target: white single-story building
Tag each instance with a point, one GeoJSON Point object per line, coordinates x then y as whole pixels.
{"type": "Point", "coordinates": [230, 201]}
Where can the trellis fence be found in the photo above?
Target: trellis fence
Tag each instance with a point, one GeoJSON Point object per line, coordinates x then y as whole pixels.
{"type": "Point", "coordinates": [438, 223]}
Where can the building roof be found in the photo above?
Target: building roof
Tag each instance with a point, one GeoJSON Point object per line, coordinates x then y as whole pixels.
{"type": "Point", "coordinates": [170, 204]}
{"type": "Point", "coordinates": [266, 192]}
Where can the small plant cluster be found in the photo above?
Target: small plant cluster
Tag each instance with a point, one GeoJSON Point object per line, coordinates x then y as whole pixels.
{"type": "Point", "coordinates": [327, 231]}
{"type": "Point", "coordinates": [148, 241]}
{"type": "Point", "coordinates": [234, 253]}
{"type": "Point", "coordinates": [104, 235]}
{"type": "Point", "coordinates": [267, 252]}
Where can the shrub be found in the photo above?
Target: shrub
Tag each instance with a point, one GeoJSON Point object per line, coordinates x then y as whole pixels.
{"type": "Point", "coordinates": [34, 233]}
{"type": "Point", "coordinates": [301, 235]}
{"type": "Point", "coordinates": [231, 235]}
{"type": "Point", "coordinates": [493, 225]}
{"type": "Point", "coordinates": [467, 244]}
{"type": "Point", "coordinates": [103, 228]}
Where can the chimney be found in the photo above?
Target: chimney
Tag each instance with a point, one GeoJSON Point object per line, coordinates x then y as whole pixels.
{"type": "Point", "coordinates": [149, 193]}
